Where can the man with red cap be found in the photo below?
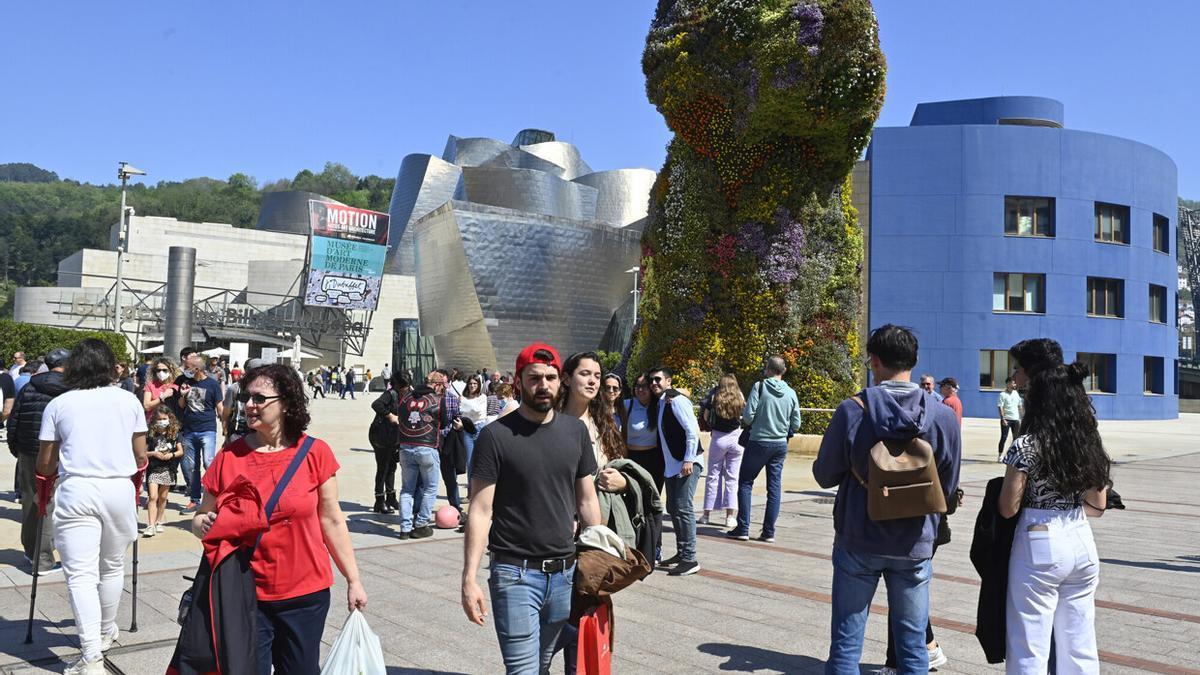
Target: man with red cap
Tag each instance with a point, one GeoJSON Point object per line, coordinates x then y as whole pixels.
{"type": "Point", "coordinates": [530, 474]}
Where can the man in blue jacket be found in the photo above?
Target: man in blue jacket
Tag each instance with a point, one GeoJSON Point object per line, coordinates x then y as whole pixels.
{"type": "Point", "coordinates": [901, 550]}
{"type": "Point", "coordinates": [773, 415]}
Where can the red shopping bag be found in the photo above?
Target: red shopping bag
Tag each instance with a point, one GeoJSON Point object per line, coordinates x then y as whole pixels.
{"type": "Point", "coordinates": [594, 654]}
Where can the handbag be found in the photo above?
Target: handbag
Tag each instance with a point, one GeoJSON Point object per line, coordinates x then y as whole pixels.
{"type": "Point", "coordinates": [187, 600]}
{"type": "Point", "coordinates": [744, 437]}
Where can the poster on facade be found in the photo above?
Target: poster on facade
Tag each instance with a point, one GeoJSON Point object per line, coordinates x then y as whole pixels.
{"type": "Point", "coordinates": [346, 256]}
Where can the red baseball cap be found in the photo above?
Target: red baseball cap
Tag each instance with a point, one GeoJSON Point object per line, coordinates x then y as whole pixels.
{"type": "Point", "coordinates": [530, 355]}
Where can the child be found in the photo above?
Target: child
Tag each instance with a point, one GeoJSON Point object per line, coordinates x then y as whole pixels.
{"type": "Point", "coordinates": [164, 452]}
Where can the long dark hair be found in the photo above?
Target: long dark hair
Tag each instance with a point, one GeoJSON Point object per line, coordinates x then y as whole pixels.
{"type": "Point", "coordinates": [1061, 419]}
{"type": "Point", "coordinates": [291, 393]}
{"type": "Point", "coordinates": [599, 409]}
{"type": "Point", "coordinates": [91, 365]}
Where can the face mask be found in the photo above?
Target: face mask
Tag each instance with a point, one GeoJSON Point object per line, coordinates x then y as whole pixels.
{"type": "Point", "coordinates": [189, 373]}
{"type": "Point", "coordinates": [162, 424]}
{"type": "Point", "coordinates": [163, 377]}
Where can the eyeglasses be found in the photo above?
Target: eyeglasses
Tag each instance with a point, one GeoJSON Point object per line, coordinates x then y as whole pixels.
{"type": "Point", "coordinates": [656, 379]}
{"type": "Point", "coordinates": [611, 388]}
{"type": "Point", "coordinates": [256, 399]}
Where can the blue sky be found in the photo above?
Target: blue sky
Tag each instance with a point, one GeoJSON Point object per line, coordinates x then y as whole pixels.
{"type": "Point", "coordinates": [269, 88]}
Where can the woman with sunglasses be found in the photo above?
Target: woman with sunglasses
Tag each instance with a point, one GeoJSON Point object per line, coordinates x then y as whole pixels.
{"type": "Point", "coordinates": [160, 385]}
{"type": "Point", "coordinates": [291, 567]}
{"type": "Point", "coordinates": [1057, 476]}
{"type": "Point", "coordinates": [641, 437]}
{"type": "Point", "coordinates": [613, 389]}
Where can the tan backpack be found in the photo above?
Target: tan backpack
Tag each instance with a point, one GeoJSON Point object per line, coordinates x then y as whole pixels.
{"type": "Point", "coordinates": [902, 479]}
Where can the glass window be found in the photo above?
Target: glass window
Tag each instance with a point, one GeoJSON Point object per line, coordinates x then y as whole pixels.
{"type": "Point", "coordinates": [993, 368]}
{"type": "Point", "coordinates": [1029, 216]}
{"type": "Point", "coordinates": [1112, 223]}
{"type": "Point", "coordinates": [1162, 232]}
{"type": "Point", "coordinates": [1158, 304]}
{"type": "Point", "coordinates": [1152, 375]}
{"type": "Point", "coordinates": [1017, 292]}
{"type": "Point", "coordinates": [1105, 297]}
{"type": "Point", "coordinates": [1103, 372]}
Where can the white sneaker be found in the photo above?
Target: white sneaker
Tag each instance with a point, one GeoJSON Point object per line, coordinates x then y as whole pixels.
{"type": "Point", "coordinates": [937, 657]}
{"type": "Point", "coordinates": [731, 522]}
{"type": "Point", "coordinates": [886, 670]}
{"type": "Point", "coordinates": [703, 520]}
{"type": "Point", "coordinates": [158, 527]}
{"type": "Point", "coordinates": [84, 667]}
{"type": "Point", "coordinates": [148, 532]}
{"type": "Point", "coordinates": [106, 641]}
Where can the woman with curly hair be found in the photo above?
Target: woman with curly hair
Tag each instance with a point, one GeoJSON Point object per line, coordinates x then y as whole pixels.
{"type": "Point", "coordinates": [1057, 476]}
{"type": "Point", "coordinates": [724, 416]}
{"type": "Point", "coordinates": [164, 449]}
{"type": "Point", "coordinates": [160, 385]}
{"type": "Point", "coordinates": [291, 567]}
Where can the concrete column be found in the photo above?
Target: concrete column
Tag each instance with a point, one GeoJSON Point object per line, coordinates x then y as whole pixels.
{"type": "Point", "coordinates": [181, 292]}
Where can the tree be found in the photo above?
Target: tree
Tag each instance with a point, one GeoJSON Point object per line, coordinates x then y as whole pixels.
{"type": "Point", "coordinates": [24, 172]}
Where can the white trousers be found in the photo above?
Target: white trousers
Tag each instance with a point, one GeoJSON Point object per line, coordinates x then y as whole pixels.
{"type": "Point", "coordinates": [1052, 579]}
{"type": "Point", "coordinates": [95, 520]}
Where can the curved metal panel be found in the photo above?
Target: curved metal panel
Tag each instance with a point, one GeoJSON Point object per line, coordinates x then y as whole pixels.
{"type": "Point", "coordinates": [423, 184]}
{"type": "Point", "coordinates": [563, 154]}
{"type": "Point", "coordinates": [531, 191]}
{"type": "Point", "coordinates": [623, 195]}
{"type": "Point", "coordinates": [519, 159]}
{"type": "Point", "coordinates": [287, 211]}
{"type": "Point", "coordinates": [473, 151]}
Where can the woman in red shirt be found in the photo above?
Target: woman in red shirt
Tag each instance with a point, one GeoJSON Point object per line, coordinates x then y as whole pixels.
{"type": "Point", "coordinates": [291, 564]}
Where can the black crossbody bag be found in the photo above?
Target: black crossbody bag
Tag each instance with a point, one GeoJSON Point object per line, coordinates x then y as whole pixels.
{"type": "Point", "coordinates": [189, 596]}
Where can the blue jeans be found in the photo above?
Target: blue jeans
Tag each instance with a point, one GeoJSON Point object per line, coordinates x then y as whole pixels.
{"type": "Point", "coordinates": [530, 608]}
{"type": "Point", "coordinates": [469, 440]}
{"type": "Point", "coordinates": [760, 454]}
{"type": "Point", "coordinates": [855, 577]}
{"type": "Point", "coordinates": [199, 447]}
{"type": "Point", "coordinates": [419, 482]}
{"type": "Point", "coordinates": [681, 490]}
{"type": "Point", "coordinates": [347, 389]}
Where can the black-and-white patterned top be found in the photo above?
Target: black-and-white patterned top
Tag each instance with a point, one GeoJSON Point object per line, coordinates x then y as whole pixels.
{"type": "Point", "coordinates": [1039, 494]}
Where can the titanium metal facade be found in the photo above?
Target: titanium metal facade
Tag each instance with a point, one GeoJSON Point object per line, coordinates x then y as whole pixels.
{"type": "Point", "coordinates": [516, 242]}
{"type": "Point", "coordinates": [942, 254]}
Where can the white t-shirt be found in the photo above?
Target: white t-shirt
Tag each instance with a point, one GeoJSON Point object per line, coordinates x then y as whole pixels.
{"type": "Point", "coordinates": [474, 409]}
{"type": "Point", "coordinates": [94, 428]}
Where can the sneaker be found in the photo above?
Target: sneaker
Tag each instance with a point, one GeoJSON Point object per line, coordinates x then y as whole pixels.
{"type": "Point", "coordinates": [937, 657]}
{"type": "Point", "coordinates": [704, 520]}
{"type": "Point", "coordinates": [731, 522]}
{"type": "Point", "coordinates": [158, 527]}
{"type": "Point", "coordinates": [734, 534]}
{"type": "Point", "coordinates": [886, 670]}
{"type": "Point", "coordinates": [670, 562]}
{"type": "Point", "coordinates": [422, 532]}
{"type": "Point", "coordinates": [765, 539]}
{"type": "Point", "coordinates": [106, 641]}
{"type": "Point", "coordinates": [85, 667]}
{"type": "Point", "coordinates": [148, 532]}
{"type": "Point", "coordinates": [684, 568]}
{"type": "Point", "coordinates": [406, 535]}
{"type": "Point", "coordinates": [190, 508]}
{"type": "Point", "coordinates": [47, 568]}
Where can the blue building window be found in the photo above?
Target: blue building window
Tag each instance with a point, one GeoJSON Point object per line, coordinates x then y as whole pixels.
{"type": "Point", "coordinates": [1019, 292]}
{"type": "Point", "coordinates": [1106, 297]}
{"type": "Point", "coordinates": [1029, 216]}
{"type": "Point", "coordinates": [994, 368]}
{"type": "Point", "coordinates": [1152, 375]}
{"type": "Point", "coordinates": [1103, 372]}
{"type": "Point", "coordinates": [1112, 223]}
{"type": "Point", "coordinates": [1158, 304]}
{"type": "Point", "coordinates": [1162, 236]}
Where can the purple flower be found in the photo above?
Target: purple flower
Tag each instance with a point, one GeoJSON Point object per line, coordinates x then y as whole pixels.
{"type": "Point", "coordinates": [752, 240]}
{"type": "Point", "coordinates": [811, 21]}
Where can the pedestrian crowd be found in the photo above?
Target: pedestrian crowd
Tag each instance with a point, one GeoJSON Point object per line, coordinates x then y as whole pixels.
{"type": "Point", "coordinates": [561, 459]}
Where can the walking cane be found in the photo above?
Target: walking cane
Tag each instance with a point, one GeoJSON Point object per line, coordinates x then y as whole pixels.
{"type": "Point", "coordinates": [138, 478]}
{"type": "Point", "coordinates": [37, 560]}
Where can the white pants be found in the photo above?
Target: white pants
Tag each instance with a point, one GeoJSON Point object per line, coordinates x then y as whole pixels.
{"type": "Point", "coordinates": [1052, 579]}
{"type": "Point", "coordinates": [95, 520]}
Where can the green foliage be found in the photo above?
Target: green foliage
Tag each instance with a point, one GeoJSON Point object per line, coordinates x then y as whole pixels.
{"type": "Point", "coordinates": [609, 360]}
{"type": "Point", "coordinates": [43, 219]}
{"type": "Point", "coordinates": [24, 172]}
{"type": "Point", "coordinates": [752, 246]}
{"type": "Point", "coordinates": [1189, 204]}
{"type": "Point", "coordinates": [37, 340]}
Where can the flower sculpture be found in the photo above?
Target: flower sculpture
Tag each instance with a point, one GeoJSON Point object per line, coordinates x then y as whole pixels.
{"type": "Point", "coordinates": [753, 247]}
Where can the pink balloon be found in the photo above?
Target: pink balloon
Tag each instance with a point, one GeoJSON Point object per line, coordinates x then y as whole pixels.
{"type": "Point", "coordinates": [446, 518]}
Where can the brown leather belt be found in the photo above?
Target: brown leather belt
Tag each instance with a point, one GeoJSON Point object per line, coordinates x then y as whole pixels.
{"type": "Point", "coordinates": [546, 565]}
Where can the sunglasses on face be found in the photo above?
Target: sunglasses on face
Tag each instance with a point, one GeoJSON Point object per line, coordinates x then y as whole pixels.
{"type": "Point", "coordinates": [656, 379]}
{"type": "Point", "coordinates": [256, 399]}
{"type": "Point", "coordinates": [611, 388]}
{"type": "Point", "coordinates": [161, 370]}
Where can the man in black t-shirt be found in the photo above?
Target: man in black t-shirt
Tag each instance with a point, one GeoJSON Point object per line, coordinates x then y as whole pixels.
{"type": "Point", "coordinates": [530, 474]}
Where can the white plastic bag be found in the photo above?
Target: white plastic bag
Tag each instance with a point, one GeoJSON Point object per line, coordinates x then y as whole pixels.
{"type": "Point", "coordinates": [356, 650]}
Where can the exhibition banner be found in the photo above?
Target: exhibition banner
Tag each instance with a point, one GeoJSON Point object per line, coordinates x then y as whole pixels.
{"type": "Point", "coordinates": [346, 256]}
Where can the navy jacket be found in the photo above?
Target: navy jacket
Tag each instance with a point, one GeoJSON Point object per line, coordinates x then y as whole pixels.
{"type": "Point", "coordinates": [25, 423]}
{"type": "Point", "coordinates": [890, 413]}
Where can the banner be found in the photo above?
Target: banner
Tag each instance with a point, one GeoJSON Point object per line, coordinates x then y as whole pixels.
{"type": "Point", "coordinates": [347, 250]}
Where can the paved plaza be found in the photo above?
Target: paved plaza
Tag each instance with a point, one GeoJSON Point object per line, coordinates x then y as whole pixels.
{"type": "Point", "coordinates": [753, 608]}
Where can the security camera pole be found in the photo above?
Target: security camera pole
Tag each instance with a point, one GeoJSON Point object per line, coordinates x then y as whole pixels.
{"type": "Point", "coordinates": [124, 171]}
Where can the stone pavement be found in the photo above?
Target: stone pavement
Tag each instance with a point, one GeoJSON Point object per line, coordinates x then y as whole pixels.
{"type": "Point", "coordinates": [753, 608]}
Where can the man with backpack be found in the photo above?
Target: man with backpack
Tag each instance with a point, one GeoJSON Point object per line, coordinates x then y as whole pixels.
{"type": "Point", "coordinates": [772, 415]}
{"type": "Point", "coordinates": [422, 418]}
{"type": "Point", "coordinates": [893, 452]}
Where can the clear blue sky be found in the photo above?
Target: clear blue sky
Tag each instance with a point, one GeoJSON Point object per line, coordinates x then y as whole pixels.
{"type": "Point", "coordinates": [269, 88]}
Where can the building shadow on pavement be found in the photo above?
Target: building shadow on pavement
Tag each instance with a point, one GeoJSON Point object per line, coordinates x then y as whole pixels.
{"type": "Point", "coordinates": [746, 659]}
{"type": "Point", "coordinates": [1158, 565]}
{"type": "Point", "coordinates": [13, 647]}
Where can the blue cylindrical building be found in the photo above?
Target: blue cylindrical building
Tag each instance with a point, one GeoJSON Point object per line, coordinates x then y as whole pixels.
{"type": "Point", "coordinates": [990, 223]}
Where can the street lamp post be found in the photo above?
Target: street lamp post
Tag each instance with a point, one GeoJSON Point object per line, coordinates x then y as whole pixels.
{"type": "Point", "coordinates": [635, 271]}
{"type": "Point", "coordinates": [124, 171]}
